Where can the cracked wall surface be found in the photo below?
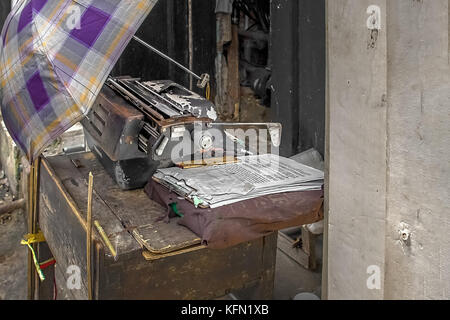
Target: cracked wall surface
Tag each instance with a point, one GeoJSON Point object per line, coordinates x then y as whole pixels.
{"type": "Point", "coordinates": [418, 150]}
{"type": "Point", "coordinates": [389, 106]}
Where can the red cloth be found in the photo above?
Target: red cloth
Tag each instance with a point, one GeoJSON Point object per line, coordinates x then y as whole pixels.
{"type": "Point", "coordinates": [243, 221]}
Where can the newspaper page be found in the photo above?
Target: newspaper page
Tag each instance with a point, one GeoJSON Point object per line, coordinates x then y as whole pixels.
{"type": "Point", "coordinates": [251, 177]}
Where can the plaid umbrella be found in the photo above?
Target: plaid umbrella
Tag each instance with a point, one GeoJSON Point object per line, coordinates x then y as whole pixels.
{"type": "Point", "coordinates": [55, 57]}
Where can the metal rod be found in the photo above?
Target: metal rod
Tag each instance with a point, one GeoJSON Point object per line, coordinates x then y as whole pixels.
{"type": "Point", "coordinates": [145, 44]}
{"type": "Point", "coordinates": [89, 235]}
{"type": "Point", "coordinates": [9, 207]}
{"type": "Point", "coordinates": [106, 239]}
{"type": "Point", "coordinates": [36, 195]}
{"type": "Point", "coordinates": [143, 107]}
{"type": "Point", "coordinates": [191, 44]}
{"type": "Point", "coordinates": [30, 270]}
{"type": "Point", "coordinates": [33, 189]}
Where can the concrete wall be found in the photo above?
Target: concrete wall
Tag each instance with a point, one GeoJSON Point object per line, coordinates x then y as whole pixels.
{"type": "Point", "coordinates": [9, 154]}
{"type": "Point", "coordinates": [389, 150]}
{"type": "Point", "coordinates": [9, 159]}
{"type": "Point", "coordinates": [419, 150]}
{"type": "Point", "coordinates": [357, 156]}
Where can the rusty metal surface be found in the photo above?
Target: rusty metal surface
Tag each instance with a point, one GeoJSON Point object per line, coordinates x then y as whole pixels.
{"type": "Point", "coordinates": [129, 132]}
{"type": "Point", "coordinates": [110, 121]}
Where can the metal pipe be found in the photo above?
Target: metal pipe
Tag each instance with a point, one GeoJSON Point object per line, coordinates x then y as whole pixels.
{"type": "Point", "coordinates": [191, 44]}
{"type": "Point", "coordinates": [12, 206]}
{"type": "Point", "coordinates": [105, 238]}
{"type": "Point", "coordinates": [33, 197]}
{"type": "Point", "coordinates": [89, 235]}
{"type": "Point", "coordinates": [145, 44]}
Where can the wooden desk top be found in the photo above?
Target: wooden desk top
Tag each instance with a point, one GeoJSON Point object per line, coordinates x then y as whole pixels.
{"type": "Point", "coordinates": [130, 219]}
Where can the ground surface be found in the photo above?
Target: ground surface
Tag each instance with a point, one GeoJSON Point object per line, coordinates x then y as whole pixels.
{"type": "Point", "coordinates": [292, 279]}
{"type": "Point", "coordinates": [13, 255]}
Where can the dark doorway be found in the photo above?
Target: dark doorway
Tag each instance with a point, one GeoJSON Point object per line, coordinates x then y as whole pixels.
{"type": "Point", "coordinates": [298, 55]}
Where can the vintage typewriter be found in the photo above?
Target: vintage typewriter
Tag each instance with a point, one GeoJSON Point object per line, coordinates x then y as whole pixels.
{"type": "Point", "coordinates": [136, 127]}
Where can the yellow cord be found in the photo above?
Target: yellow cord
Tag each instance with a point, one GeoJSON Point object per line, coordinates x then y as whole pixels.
{"type": "Point", "coordinates": [29, 240]}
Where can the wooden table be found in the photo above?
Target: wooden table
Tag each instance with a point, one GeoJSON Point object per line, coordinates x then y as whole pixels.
{"type": "Point", "coordinates": [155, 260]}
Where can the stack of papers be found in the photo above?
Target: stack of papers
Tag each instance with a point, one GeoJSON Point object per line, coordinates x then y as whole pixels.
{"type": "Point", "coordinates": [251, 177]}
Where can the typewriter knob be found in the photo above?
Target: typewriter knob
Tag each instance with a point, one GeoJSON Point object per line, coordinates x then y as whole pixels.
{"type": "Point", "coordinates": [206, 142]}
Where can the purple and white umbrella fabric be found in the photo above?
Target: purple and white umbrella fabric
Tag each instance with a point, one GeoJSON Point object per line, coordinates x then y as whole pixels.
{"type": "Point", "coordinates": [55, 57]}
